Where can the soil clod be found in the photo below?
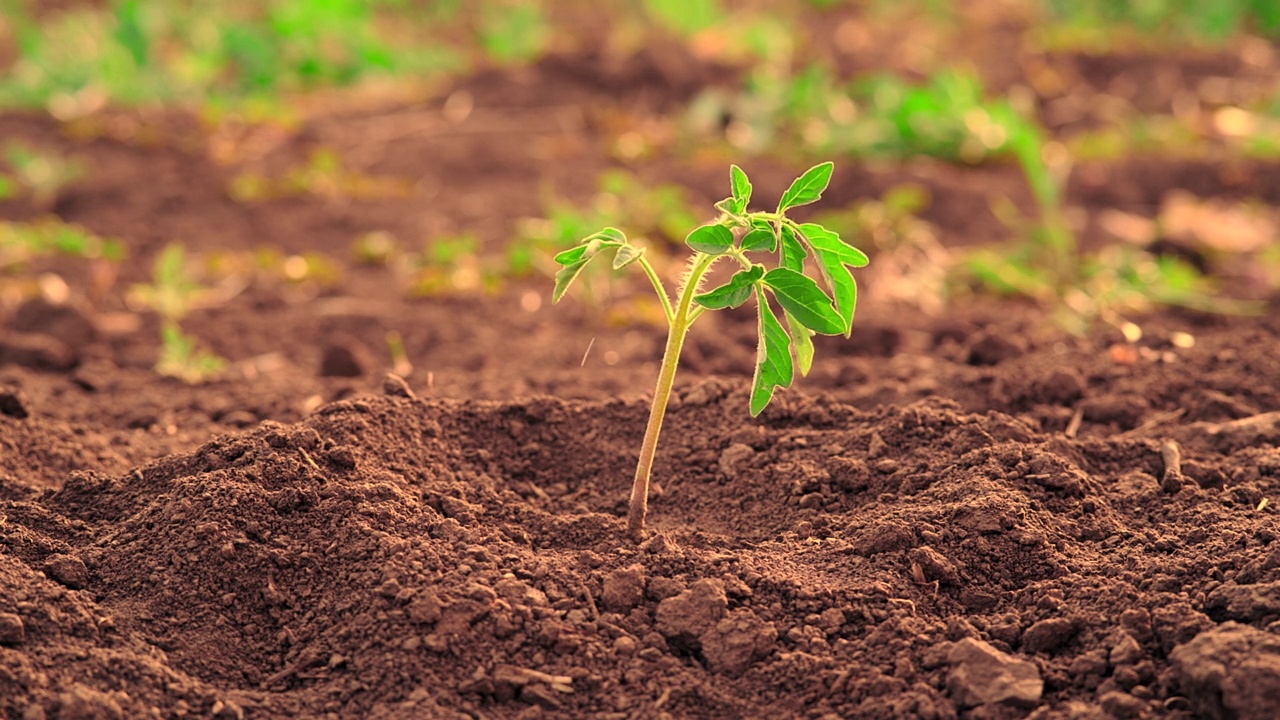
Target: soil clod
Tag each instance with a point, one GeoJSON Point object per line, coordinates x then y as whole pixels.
{"type": "Point", "coordinates": [12, 630]}
{"type": "Point", "coordinates": [982, 675]}
{"type": "Point", "coordinates": [345, 358]}
{"type": "Point", "coordinates": [1230, 671]}
{"type": "Point", "coordinates": [68, 570]}
{"type": "Point", "coordinates": [13, 403]}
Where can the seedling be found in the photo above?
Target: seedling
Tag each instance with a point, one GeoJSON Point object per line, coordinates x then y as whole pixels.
{"type": "Point", "coordinates": [43, 175]}
{"type": "Point", "coordinates": [323, 176]}
{"type": "Point", "coordinates": [453, 265]}
{"type": "Point", "coordinates": [1046, 262]}
{"type": "Point", "coordinates": [738, 234]}
{"type": "Point", "coordinates": [22, 243]}
{"type": "Point", "coordinates": [172, 294]}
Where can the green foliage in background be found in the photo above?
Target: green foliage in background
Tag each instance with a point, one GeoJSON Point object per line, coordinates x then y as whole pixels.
{"type": "Point", "coordinates": [1203, 19]}
{"type": "Point", "coordinates": [137, 52]}
{"type": "Point", "coordinates": [22, 243]}
{"type": "Point", "coordinates": [76, 58]}
{"type": "Point", "coordinates": [948, 116]}
{"type": "Point", "coordinates": [513, 32]}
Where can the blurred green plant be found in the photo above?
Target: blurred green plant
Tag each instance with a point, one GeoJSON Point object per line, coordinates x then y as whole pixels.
{"type": "Point", "coordinates": [513, 32]}
{"type": "Point", "coordinates": [1094, 22]}
{"type": "Point", "coordinates": [453, 266]}
{"type": "Point", "coordinates": [1045, 263]}
{"type": "Point", "coordinates": [22, 243]}
{"type": "Point", "coordinates": [685, 17]}
{"type": "Point", "coordinates": [1151, 135]}
{"type": "Point", "coordinates": [129, 51]}
{"type": "Point", "coordinates": [41, 175]}
{"type": "Point", "coordinates": [877, 116]}
{"type": "Point", "coordinates": [1267, 271]}
{"type": "Point", "coordinates": [323, 176]}
{"type": "Point", "coordinates": [172, 294]}
{"type": "Point", "coordinates": [375, 248]}
{"type": "Point", "coordinates": [400, 363]}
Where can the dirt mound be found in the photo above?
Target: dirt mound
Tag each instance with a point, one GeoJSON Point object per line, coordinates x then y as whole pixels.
{"type": "Point", "coordinates": [394, 557]}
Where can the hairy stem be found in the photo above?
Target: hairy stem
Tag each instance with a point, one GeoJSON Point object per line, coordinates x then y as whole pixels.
{"type": "Point", "coordinates": [680, 322]}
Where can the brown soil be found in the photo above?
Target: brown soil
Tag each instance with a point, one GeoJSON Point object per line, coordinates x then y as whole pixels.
{"type": "Point", "coordinates": [972, 516]}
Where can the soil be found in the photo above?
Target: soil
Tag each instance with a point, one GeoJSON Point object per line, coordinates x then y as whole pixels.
{"type": "Point", "coordinates": [972, 515]}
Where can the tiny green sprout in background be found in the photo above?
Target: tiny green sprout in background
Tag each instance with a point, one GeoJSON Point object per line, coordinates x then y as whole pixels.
{"type": "Point", "coordinates": [22, 243]}
{"type": "Point", "coordinates": [807, 307]}
{"type": "Point", "coordinates": [42, 175]}
{"type": "Point", "coordinates": [172, 294]}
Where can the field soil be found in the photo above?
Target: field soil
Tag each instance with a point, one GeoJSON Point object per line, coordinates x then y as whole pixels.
{"type": "Point", "coordinates": [966, 514]}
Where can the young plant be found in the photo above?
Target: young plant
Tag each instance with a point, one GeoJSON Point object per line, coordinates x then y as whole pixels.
{"type": "Point", "coordinates": [22, 243]}
{"type": "Point", "coordinates": [740, 234]}
{"type": "Point", "coordinates": [172, 294]}
{"type": "Point", "coordinates": [43, 175]}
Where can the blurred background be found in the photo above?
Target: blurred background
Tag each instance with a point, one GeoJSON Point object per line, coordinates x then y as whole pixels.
{"type": "Point", "coordinates": [344, 169]}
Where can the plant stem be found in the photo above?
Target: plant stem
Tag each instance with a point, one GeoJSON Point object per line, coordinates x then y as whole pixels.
{"type": "Point", "coordinates": [677, 330]}
{"type": "Point", "coordinates": [657, 288]}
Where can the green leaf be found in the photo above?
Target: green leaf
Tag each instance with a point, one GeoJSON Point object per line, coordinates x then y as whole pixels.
{"type": "Point", "coordinates": [609, 235]}
{"type": "Point", "coordinates": [729, 206]}
{"type": "Point", "coordinates": [760, 238]}
{"type": "Point", "coordinates": [808, 187]}
{"type": "Point", "coordinates": [800, 295]}
{"type": "Point", "coordinates": [834, 257]}
{"type": "Point", "coordinates": [576, 258]}
{"type": "Point", "coordinates": [773, 357]}
{"type": "Point", "coordinates": [571, 256]}
{"type": "Point", "coordinates": [130, 33]}
{"type": "Point", "coordinates": [592, 244]}
{"type": "Point", "coordinates": [713, 239]}
{"type": "Point", "coordinates": [565, 278]}
{"type": "Point", "coordinates": [170, 266]}
{"type": "Point", "coordinates": [626, 255]}
{"type": "Point", "coordinates": [822, 239]}
{"type": "Point", "coordinates": [793, 253]}
{"type": "Point", "coordinates": [741, 187]}
{"type": "Point", "coordinates": [733, 293]}
{"type": "Point", "coordinates": [801, 344]}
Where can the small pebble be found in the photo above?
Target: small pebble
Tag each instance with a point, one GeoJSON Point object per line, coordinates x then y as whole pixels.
{"type": "Point", "coordinates": [13, 403]}
{"type": "Point", "coordinates": [12, 631]}
{"type": "Point", "coordinates": [68, 570]}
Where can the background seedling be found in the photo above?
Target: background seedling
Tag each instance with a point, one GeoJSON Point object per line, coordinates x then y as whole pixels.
{"type": "Point", "coordinates": [172, 294]}
{"type": "Point", "coordinates": [399, 355]}
{"type": "Point", "coordinates": [21, 243]}
{"type": "Point", "coordinates": [40, 175]}
{"type": "Point", "coordinates": [738, 234]}
{"type": "Point", "coordinates": [1045, 262]}
{"type": "Point", "coordinates": [452, 265]}
{"type": "Point", "coordinates": [322, 176]}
